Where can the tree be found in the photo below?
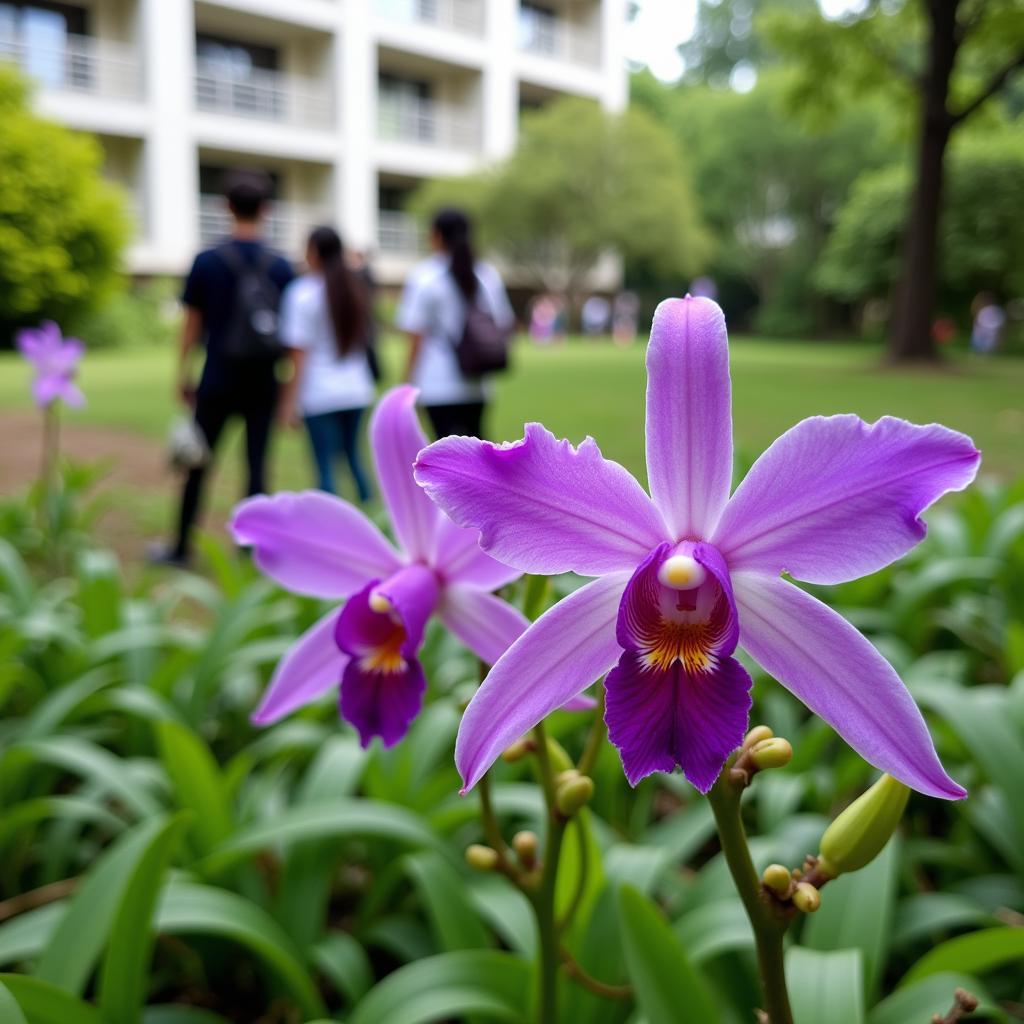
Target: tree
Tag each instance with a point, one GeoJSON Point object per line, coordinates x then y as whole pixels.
{"type": "Point", "coordinates": [769, 187]}
{"type": "Point", "coordinates": [951, 57]}
{"type": "Point", "coordinates": [62, 226]}
{"type": "Point", "coordinates": [981, 235]}
{"type": "Point", "coordinates": [583, 183]}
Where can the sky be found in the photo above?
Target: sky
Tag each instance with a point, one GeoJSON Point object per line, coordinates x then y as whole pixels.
{"type": "Point", "coordinates": [661, 25]}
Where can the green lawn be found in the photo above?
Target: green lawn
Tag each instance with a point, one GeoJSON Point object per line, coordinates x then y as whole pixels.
{"type": "Point", "coordinates": [595, 388]}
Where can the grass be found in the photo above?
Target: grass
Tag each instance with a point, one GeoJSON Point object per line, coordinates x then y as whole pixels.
{"type": "Point", "coordinates": [596, 388]}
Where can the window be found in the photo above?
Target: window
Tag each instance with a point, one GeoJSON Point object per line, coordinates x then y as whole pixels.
{"type": "Point", "coordinates": [405, 109]}
{"type": "Point", "coordinates": [538, 28]}
{"type": "Point", "coordinates": [237, 78]}
{"type": "Point", "coordinates": [37, 35]}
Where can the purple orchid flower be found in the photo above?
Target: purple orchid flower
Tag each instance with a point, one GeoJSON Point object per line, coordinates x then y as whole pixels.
{"type": "Point", "coordinates": [56, 363]}
{"type": "Point", "coordinates": [316, 544]}
{"type": "Point", "coordinates": [688, 573]}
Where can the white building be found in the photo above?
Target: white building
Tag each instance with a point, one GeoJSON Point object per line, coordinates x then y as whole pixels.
{"type": "Point", "coordinates": [348, 104]}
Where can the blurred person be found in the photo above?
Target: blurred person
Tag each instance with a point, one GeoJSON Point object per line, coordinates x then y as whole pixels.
{"type": "Point", "coordinates": [594, 315]}
{"type": "Point", "coordinates": [325, 326]}
{"type": "Point", "coordinates": [358, 261]}
{"type": "Point", "coordinates": [433, 312]}
{"type": "Point", "coordinates": [232, 297]}
{"type": "Point", "coordinates": [542, 319]}
{"type": "Point", "coordinates": [625, 310]}
{"type": "Point", "coordinates": [989, 320]}
{"type": "Point", "coordinates": [704, 287]}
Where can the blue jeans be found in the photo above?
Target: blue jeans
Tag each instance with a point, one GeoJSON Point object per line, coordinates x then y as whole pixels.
{"type": "Point", "coordinates": [332, 434]}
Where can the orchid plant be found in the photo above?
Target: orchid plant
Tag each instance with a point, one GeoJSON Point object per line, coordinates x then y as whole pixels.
{"type": "Point", "coordinates": [687, 574]}
{"type": "Point", "coordinates": [319, 545]}
{"type": "Point", "coordinates": [55, 360]}
{"type": "Point", "coordinates": [683, 577]}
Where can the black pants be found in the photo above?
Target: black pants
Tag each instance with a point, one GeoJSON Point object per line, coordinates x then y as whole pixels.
{"type": "Point", "coordinates": [464, 419]}
{"type": "Point", "coordinates": [256, 406]}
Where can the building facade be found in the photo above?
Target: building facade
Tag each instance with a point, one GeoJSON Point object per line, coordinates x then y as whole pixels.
{"type": "Point", "coordinates": [347, 104]}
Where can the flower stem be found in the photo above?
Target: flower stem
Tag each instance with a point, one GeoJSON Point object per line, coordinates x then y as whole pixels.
{"type": "Point", "coordinates": [769, 929]}
{"type": "Point", "coordinates": [549, 954]}
{"type": "Point", "coordinates": [595, 738]}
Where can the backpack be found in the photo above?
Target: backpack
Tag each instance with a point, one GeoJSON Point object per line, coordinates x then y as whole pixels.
{"type": "Point", "coordinates": [252, 331]}
{"type": "Point", "coordinates": [483, 346]}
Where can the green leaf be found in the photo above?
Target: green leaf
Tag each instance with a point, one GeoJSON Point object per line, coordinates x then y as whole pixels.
{"type": "Point", "coordinates": [190, 909]}
{"type": "Point", "coordinates": [857, 913]}
{"type": "Point", "coordinates": [342, 819]}
{"type": "Point", "coordinates": [125, 968]}
{"type": "Point", "coordinates": [825, 988]}
{"type": "Point", "coordinates": [174, 1014]}
{"type": "Point", "coordinates": [197, 783]}
{"type": "Point", "coordinates": [344, 961]}
{"type": "Point", "coordinates": [973, 953]}
{"type": "Point", "coordinates": [580, 874]}
{"type": "Point", "coordinates": [99, 591]}
{"type": "Point", "coordinates": [15, 579]}
{"type": "Point", "coordinates": [79, 939]}
{"type": "Point", "coordinates": [663, 978]}
{"type": "Point", "coordinates": [452, 985]}
{"type": "Point", "coordinates": [24, 937]}
{"type": "Point", "coordinates": [10, 1011]}
{"type": "Point", "coordinates": [926, 914]}
{"type": "Point", "coordinates": [931, 995]}
{"type": "Point", "coordinates": [442, 891]}
{"type": "Point", "coordinates": [43, 1003]}
{"type": "Point", "coordinates": [717, 927]}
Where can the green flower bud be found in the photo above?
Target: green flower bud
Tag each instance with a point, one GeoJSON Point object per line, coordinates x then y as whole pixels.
{"type": "Point", "coordinates": [526, 844]}
{"type": "Point", "coordinates": [857, 836]}
{"type": "Point", "coordinates": [806, 898]}
{"type": "Point", "coordinates": [573, 793]}
{"type": "Point", "coordinates": [758, 733]}
{"type": "Point", "coordinates": [518, 750]}
{"type": "Point", "coordinates": [774, 752]}
{"type": "Point", "coordinates": [778, 878]}
{"type": "Point", "coordinates": [481, 858]}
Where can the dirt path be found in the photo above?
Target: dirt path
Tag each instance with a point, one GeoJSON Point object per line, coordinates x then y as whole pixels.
{"type": "Point", "coordinates": [136, 480]}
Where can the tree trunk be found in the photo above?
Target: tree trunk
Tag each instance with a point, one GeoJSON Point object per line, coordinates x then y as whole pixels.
{"type": "Point", "coordinates": [910, 336]}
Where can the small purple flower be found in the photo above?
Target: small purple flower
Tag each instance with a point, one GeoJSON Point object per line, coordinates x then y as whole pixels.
{"type": "Point", "coordinates": [687, 574]}
{"type": "Point", "coordinates": [316, 544]}
{"type": "Point", "coordinates": [56, 363]}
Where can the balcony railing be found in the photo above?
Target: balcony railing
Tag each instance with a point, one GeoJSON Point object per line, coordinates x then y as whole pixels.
{"type": "Point", "coordinates": [286, 229]}
{"type": "Point", "coordinates": [560, 40]}
{"type": "Point", "coordinates": [399, 233]}
{"type": "Point", "coordinates": [265, 95]}
{"type": "Point", "coordinates": [458, 15]}
{"type": "Point", "coordinates": [85, 64]}
{"type": "Point", "coordinates": [425, 122]}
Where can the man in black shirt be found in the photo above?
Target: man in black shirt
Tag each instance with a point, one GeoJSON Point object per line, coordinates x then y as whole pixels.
{"type": "Point", "coordinates": [239, 376]}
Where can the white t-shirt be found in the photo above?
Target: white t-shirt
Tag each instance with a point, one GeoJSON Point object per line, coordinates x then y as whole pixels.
{"type": "Point", "coordinates": [433, 306]}
{"type": "Point", "coordinates": [329, 382]}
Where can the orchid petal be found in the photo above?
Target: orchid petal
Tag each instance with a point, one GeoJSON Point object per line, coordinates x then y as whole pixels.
{"type": "Point", "coordinates": [397, 437]}
{"type": "Point", "coordinates": [487, 625]}
{"type": "Point", "coordinates": [312, 666]}
{"type": "Point", "coordinates": [689, 415]}
{"type": "Point", "coordinates": [313, 543]}
{"type": "Point", "coordinates": [460, 559]}
{"type": "Point", "coordinates": [659, 718]}
{"type": "Point", "coordinates": [72, 395]}
{"type": "Point", "coordinates": [382, 703]}
{"type": "Point", "coordinates": [47, 388]}
{"type": "Point", "coordinates": [835, 498]}
{"type": "Point", "coordinates": [563, 652]}
{"type": "Point", "coordinates": [817, 655]}
{"type": "Point", "coordinates": [412, 593]}
{"type": "Point", "coordinates": [542, 505]}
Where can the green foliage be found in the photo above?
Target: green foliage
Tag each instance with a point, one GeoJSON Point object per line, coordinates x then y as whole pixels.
{"type": "Point", "coordinates": [133, 315]}
{"type": "Point", "coordinates": [175, 855]}
{"type": "Point", "coordinates": [62, 226]}
{"type": "Point", "coordinates": [581, 182]}
{"type": "Point", "coordinates": [982, 238]}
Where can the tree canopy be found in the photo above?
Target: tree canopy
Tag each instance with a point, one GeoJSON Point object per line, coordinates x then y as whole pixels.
{"type": "Point", "coordinates": [62, 226]}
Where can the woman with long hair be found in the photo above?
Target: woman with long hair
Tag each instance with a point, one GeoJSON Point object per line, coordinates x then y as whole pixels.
{"type": "Point", "coordinates": [433, 311]}
{"type": "Point", "coordinates": [325, 323]}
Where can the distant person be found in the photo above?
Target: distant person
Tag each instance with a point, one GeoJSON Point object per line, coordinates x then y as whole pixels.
{"type": "Point", "coordinates": [325, 322]}
{"type": "Point", "coordinates": [704, 287]}
{"type": "Point", "coordinates": [594, 315]}
{"type": "Point", "coordinates": [359, 263]}
{"type": "Point", "coordinates": [989, 321]}
{"type": "Point", "coordinates": [433, 312]}
{"type": "Point", "coordinates": [231, 298]}
{"type": "Point", "coordinates": [625, 312]}
{"type": "Point", "coordinates": [542, 319]}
